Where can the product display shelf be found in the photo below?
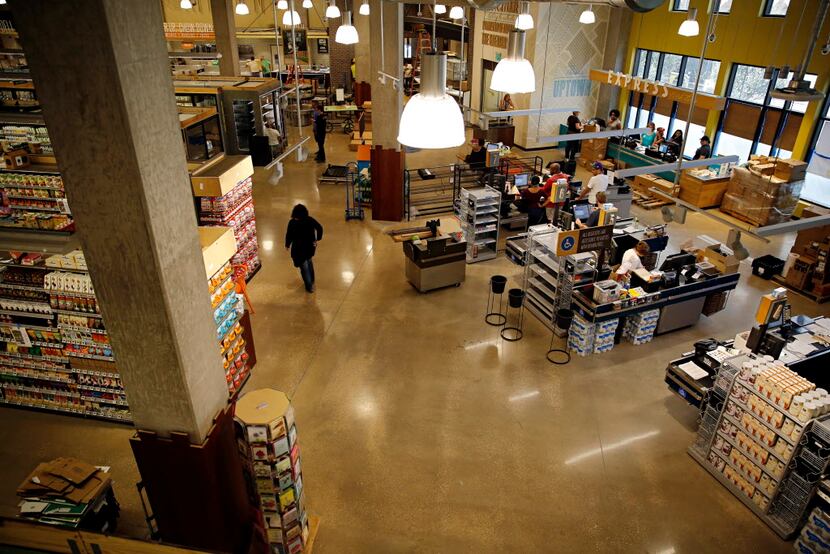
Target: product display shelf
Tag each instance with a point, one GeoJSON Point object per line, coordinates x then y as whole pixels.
{"type": "Point", "coordinates": [227, 316]}
{"type": "Point", "coordinates": [56, 365]}
{"type": "Point", "coordinates": [727, 413]}
{"type": "Point", "coordinates": [29, 195]}
{"type": "Point", "coordinates": [270, 432]}
{"type": "Point", "coordinates": [477, 211]}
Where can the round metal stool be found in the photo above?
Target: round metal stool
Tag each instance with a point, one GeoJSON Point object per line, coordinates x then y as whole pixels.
{"type": "Point", "coordinates": [515, 300]}
{"type": "Point", "coordinates": [497, 284]}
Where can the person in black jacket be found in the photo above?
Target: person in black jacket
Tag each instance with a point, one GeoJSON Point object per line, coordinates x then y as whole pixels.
{"type": "Point", "coordinates": [301, 237]}
{"type": "Point", "coordinates": [319, 128]}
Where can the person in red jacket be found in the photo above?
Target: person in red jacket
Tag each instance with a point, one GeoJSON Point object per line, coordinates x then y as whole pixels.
{"type": "Point", "coordinates": [555, 175]}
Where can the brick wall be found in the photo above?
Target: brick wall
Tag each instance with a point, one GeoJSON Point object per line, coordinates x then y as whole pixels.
{"type": "Point", "coordinates": [340, 57]}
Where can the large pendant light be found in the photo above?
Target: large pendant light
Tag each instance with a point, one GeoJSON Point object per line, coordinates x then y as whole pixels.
{"type": "Point", "coordinates": [440, 8]}
{"type": "Point", "coordinates": [587, 17]}
{"type": "Point", "coordinates": [242, 8]}
{"type": "Point", "coordinates": [184, 4]}
{"type": "Point", "coordinates": [332, 12]}
{"type": "Point", "coordinates": [432, 119]}
{"type": "Point", "coordinates": [290, 18]}
{"type": "Point", "coordinates": [282, 4]}
{"type": "Point", "coordinates": [308, 4]}
{"type": "Point", "coordinates": [456, 12]}
{"type": "Point", "coordinates": [514, 74]}
{"type": "Point", "coordinates": [364, 8]}
{"type": "Point", "coordinates": [524, 21]}
{"type": "Point", "coordinates": [346, 33]}
{"type": "Point", "coordinates": [690, 27]}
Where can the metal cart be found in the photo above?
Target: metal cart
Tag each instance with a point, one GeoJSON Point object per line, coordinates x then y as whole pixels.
{"type": "Point", "coordinates": [354, 196]}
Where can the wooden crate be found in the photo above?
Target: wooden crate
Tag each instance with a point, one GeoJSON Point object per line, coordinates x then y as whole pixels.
{"type": "Point", "coordinates": [702, 193]}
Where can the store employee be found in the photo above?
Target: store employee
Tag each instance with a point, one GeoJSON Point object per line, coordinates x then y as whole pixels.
{"type": "Point", "coordinates": [477, 156]}
{"type": "Point", "coordinates": [593, 219]}
{"type": "Point", "coordinates": [705, 150]}
{"type": "Point", "coordinates": [597, 183]}
{"type": "Point", "coordinates": [632, 259]}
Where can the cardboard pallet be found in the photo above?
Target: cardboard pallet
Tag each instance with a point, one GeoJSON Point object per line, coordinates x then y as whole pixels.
{"type": "Point", "coordinates": [746, 219]}
{"type": "Point", "coordinates": [649, 202]}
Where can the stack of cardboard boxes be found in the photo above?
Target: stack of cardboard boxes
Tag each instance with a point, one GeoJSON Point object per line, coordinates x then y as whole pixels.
{"type": "Point", "coordinates": [765, 192]}
{"type": "Point", "coordinates": [642, 185]}
{"type": "Point", "coordinates": [592, 150]}
{"type": "Point", "coordinates": [69, 493]}
{"type": "Point", "coordinates": [806, 268]}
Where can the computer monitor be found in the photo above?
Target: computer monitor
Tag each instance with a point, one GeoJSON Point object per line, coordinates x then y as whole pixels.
{"type": "Point", "coordinates": [676, 262]}
{"type": "Point", "coordinates": [581, 211]}
{"type": "Point", "coordinates": [521, 179]}
{"type": "Point", "coordinates": [664, 148]}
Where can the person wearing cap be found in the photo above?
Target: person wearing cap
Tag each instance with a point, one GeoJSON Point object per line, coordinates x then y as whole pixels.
{"type": "Point", "coordinates": [597, 183]}
{"type": "Point", "coordinates": [593, 218]}
{"type": "Point", "coordinates": [705, 150]}
{"type": "Point", "coordinates": [632, 259]}
{"type": "Point", "coordinates": [555, 175]}
{"type": "Point", "coordinates": [648, 138]}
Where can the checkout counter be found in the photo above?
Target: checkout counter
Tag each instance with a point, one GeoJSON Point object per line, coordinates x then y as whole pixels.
{"type": "Point", "coordinates": [436, 262]}
{"type": "Point", "coordinates": [638, 157]}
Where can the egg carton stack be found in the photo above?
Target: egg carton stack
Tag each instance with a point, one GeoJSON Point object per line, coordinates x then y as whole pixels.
{"type": "Point", "coordinates": [639, 328]}
{"type": "Point", "coordinates": [815, 536]}
{"type": "Point", "coordinates": [586, 338]}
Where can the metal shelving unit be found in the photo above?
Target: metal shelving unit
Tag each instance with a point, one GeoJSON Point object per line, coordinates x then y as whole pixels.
{"type": "Point", "coordinates": [477, 210]}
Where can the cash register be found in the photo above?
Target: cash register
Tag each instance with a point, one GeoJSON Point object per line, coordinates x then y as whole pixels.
{"type": "Point", "coordinates": [439, 261]}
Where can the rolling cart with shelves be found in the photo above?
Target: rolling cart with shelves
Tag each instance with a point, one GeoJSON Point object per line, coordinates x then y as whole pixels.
{"type": "Point", "coordinates": [478, 210]}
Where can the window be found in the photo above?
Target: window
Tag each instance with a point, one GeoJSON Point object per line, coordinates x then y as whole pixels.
{"type": "Point", "coordinates": [721, 6]}
{"type": "Point", "coordinates": [680, 5]}
{"type": "Point", "coordinates": [708, 75]}
{"type": "Point", "coordinates": [670, 72]}
{"type": "Point", "coordinates": [776, 8]}
{"type": "Point", "coordinates": [749, 85]}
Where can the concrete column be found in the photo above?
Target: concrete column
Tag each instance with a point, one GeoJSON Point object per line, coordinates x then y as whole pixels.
{"type": "Point", "coordinates": [363, 49]}
{"type": "Point", "coordinates": [224, 25]}
{"type": "Point", "coordinates": [616, 46]}
{"type": "Point", "coordinates": [387, 56]}
{"type": "Point", "coordinates": [100, 69]}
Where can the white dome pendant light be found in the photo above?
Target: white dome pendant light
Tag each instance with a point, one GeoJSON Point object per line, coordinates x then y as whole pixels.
{"type": "Point", "coordinates": [332, 12]}
{"type": "Point", "coordinates": [242, 8]}
{"type": "Point", "coordinates": [514, 74]}
{"type": "Point", "coordinates": [524, 21]}
{"type": "Point", "coordinates": [587, 17]}
{"type": "Point", "coordinates": [291, 18]}
{"type": "Point", "coordinates": [432, 119]}
{"type": "Point", "coordinates": [308, 4]}
{"type": "Point", "coordinates": [364, 8]}
{"type": "Point", "coordinates": [346, 33]}
{"type": "Point", "coordinates": [282, 4]}
{"type": "Point", "coordinates": [440, 8]}
{"type": "Point", "coordinates": [184, 4]}
{"type": "Point", "coordinates": [690, 27]}
{"type": "Point", "coordinates": [456, 12]}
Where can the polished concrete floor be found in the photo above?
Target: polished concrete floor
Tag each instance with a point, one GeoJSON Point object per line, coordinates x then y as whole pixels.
{"type": "Point", "coordinates": [422, 431]}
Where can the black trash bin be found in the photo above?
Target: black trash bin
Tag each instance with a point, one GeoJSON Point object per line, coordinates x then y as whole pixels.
{"type": "Point", "coordinates": [497, 286]}
{"type": "Point", "coordinates": [515, 300]}
{"type": "Point", "coordinates": [564, 318]}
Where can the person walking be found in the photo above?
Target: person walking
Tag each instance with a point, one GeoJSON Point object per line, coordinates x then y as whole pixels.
{"type": "Point", "coordinates": [319, 129]}
{"type": "Point", "coordinates": [301, 238]}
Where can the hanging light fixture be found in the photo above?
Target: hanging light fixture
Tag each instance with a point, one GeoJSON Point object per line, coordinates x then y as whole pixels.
{"type": "Point", "coordinates": [524, 21]}
{"type": "Point", "coordinates": [242, 8]}
{"type": "Point", "coordinates": [282, 4]}
{"type": "Point", "coordinates": [364, 8]}
{"type": "Point", "coordinates": [456, 12]}
{"type": "Point", "coordinates": [587, 17]}
{"type": "Point", "coordinates": [690, 27]}
{"type": "Point", "coordinates": [308, 4]}
{"type": "Point", "coordinates": [432, 119]}
{"type": "Point", "coordinates": [440, 8]}
{"type": "Point", "coordinates": [346, 33]}
{"type": "Point", "coordinates": [291, 18]}
{"type": "Point", "coordinates": [514, 73]}
{"type": "Point", "coordinates": [184, 4]}
{"type": "Point", "coordinates": [332, 11]}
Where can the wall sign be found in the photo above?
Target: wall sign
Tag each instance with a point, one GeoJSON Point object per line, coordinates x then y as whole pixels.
{"type": "Point", "coordinates": [655, 88]}
{"type": "Point", "coordinates": [583, 240]}
{"type": "Point", "coordinates": [322, 46]}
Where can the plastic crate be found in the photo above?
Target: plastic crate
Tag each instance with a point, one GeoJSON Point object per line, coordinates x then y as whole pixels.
{"type": "Point", "coordinates": [767, 266]}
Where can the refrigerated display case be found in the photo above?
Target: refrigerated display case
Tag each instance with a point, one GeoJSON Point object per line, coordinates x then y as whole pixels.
{"type": "Point", "coordinates": [201, 133]}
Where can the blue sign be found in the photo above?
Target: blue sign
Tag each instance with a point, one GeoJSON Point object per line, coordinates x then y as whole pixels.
{"type": "Point", "coordinates": [567, 243]}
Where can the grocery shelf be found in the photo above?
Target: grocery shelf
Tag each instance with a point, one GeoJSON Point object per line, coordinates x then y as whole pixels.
{"type": "Point", "coordinates": [12, 286]}
{"type": "Point", "coordinates": [62, 327]}
{"type": "Point", "coordinates": [37, 240]}
{"type": "Point", "coordinates": [79, 314]}
{"type": "Point", "coordinates": [81, 413]}
{"type": "Point", "coordinates": [50, 378]}
{"type": "Point", "coordinates": [72, 354]}
{"type": "Point", "coordinates": [26, 314]}
{"type": "Point", "coordinates": [36, 208]}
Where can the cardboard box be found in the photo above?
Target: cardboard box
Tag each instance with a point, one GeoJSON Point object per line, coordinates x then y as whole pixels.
{"type": "Point", "coordinates": [764, 169]}
{"type": "Point", "coordinates": [218, 246]}
{"type": "Point", "coordinates": [790, 170]}
{"type": "Point", "coordinates": [218, 176]}
{"type": "Point", "coordinates": [702, 193]}
{"type": "Point", "coordinates": [725, 263]}
{"type": "Point", "coordinates": [74, 471]}
{"type": "Point", "coordinates": [798, 277]}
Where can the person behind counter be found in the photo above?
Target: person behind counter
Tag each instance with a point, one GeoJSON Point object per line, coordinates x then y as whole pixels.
{"type": "Point", "coordinates": [614, 122]}
{"type": "Point", "coordinates": [705, 150]}
{"type": "Point", "coordinates": [660, 137]}
{"type": "Point", "coordinates": [597, 183]}
{"type": "Point", "coordinates": [676, 141]}
{"type": "Point", "coordinates": [574, 126]}
{"type": "Point", "coordinates": [593, 218]}
{"type": "Point", "coordinates": [632, 260]}
{"type": "Point", "coordinates": [477, 156]}
{"type": "Point", "coordinates": [506, 104]}
{"type": "Point", "coordinates": [648, 138]}
{"type": "Point", "coordinates": [531, 200]}
{"type": "Point", "coordinates": [555, 175]}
